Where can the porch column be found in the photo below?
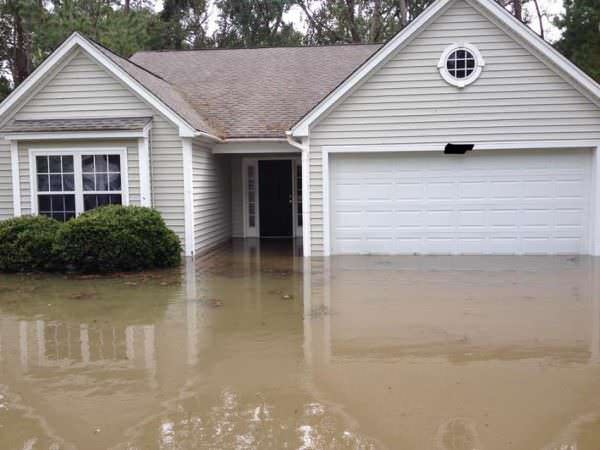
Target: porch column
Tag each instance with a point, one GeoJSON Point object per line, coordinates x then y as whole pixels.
{"type": "Point", "coordinates": [144, 162]}
{"type": "Point", "coordinates": [188, 193]}
{"type": "Point", "coordinates": [16, 184]}
{"type": "Point", "coordinates": [306, 198]}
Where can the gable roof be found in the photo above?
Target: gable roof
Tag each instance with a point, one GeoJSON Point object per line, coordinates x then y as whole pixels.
{"type": "Point", "coordinates": [255, 93]}
{"type": "Point", "coordinates": [158, 93]}
{"type": "Point", "coordinates": [496, 13]}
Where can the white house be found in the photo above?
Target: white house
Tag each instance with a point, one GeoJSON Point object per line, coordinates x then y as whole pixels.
{"type": "Point", "coordinates": [464, 134]}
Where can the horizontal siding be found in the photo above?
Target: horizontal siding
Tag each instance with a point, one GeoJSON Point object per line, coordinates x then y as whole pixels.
{"type": "Point", "coordinates": [517, 98]}
{"type": "Point", "coordinates": [167, 174]}
{"type": "Point", "coordinates": [133, 171]}
{"type": "Point", "coordinates": [83, 88]}
{"type": "Point", "coordinates": [212, 197]}
{"type": "Point", "coordinates": [6, 199]}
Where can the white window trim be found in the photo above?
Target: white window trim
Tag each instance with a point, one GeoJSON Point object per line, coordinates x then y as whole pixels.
{"type": "Point", "coordinates": [78, 151]}
{"type": "Point", "coordinates": [461, 82]}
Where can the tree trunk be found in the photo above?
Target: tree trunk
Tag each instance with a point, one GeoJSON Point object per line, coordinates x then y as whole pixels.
{"type": "Point", "coordinates": [127, 6]}
{"type": "Point", "coordinates": [22, 58]}
{"type": "Point", "coordinates": [518, 9]}
{"type": "Point", "coordinates": [403, 13]}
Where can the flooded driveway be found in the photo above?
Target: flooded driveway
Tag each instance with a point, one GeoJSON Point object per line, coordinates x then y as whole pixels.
{"type": "Point", "coordinates": [256, 348]}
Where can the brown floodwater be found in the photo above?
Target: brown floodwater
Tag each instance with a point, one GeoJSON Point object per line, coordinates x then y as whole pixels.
{"type": "Point", "coordinates": [253, 347]}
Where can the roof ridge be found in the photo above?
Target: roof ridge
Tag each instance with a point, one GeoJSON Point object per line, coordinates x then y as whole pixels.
{"type": "Point", "coordinates": [268, 47]}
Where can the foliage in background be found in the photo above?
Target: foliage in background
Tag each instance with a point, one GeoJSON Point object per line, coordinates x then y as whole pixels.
{"type": "Point", "coordinates": [107, 239]}
{"type": "Point", "coordinates": [31, 29]}
{"type": "Point", "coordinates": [580, 40]}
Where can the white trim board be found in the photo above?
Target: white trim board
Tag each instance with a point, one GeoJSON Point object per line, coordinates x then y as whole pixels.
{"type": "Point", "coordinates": [15, 178]}
{"type": "Point", "coordinates": [188, 194]}
{"type": "Point", "coordinates": [67, 135]}
{"type": "Point", "coordinates": [490, 9]}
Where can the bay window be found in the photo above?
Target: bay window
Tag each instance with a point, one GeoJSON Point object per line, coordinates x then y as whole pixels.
{"type": "Point", "coordinates": [69, 182]}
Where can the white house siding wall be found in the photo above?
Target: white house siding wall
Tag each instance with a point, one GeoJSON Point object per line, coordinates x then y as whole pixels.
{"type": "Point", "coordinates": [212, 197]}
{"type": "Point", "coordinates": [6, 193]}
{"type": "Point", "coordinates": [237, 219]}
{"type": "Point", "coordinates": [516, 99]}
{"type": "Point", "coordinates": [133, 171]}
{"type": "Point", "coordinates": [83, 88]}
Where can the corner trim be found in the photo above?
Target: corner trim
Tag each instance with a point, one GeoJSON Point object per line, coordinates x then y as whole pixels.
{"type": "Point", "coordinates": [16, 178]}
{"type": "Point", "coordinates": [144, 163]}
{"type": "Point", "coordinates": [188, 195]}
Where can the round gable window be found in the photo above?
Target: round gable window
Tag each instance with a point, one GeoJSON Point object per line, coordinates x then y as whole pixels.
{"type": "Point", "coordinates": [460, 64]}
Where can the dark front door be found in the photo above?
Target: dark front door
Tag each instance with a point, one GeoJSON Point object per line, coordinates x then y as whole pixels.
{"type": "Point", "coordinates": [275, 197]}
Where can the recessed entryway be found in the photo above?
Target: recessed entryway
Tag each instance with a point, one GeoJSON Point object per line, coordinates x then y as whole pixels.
{"type": "Point", "coordinates": [271, 197]}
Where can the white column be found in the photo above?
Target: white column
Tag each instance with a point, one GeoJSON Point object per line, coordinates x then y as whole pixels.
{"type": "Point", "coordinates": [325, 209]}
{"type": "Point", "coordinates": [188, 192]}
{"type": "Point", "coordinates": [191, 314]}
{"type": "Point", "coordinates": [306, 199]}
{"type": "Point", "coordinates": [16, 184]}
{"type": "Point", "coordinates": [595, 335]}
{"type": "Point", "coordinates": [595, 239]}
{"type": "Point", "coordinates": [144, 161]}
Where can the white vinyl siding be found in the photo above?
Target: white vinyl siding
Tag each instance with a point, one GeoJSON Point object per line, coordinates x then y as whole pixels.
{"type": "Point", "coordinates": [212, 197]}
{"type": "Point", "coordinates": [517, 98]}
{"type": "Point", "coordinates": [488, 202]}
{"type": "Point", "coordinates": [83, 88]}
{"type": "Point", "coordinates": [6, 192]}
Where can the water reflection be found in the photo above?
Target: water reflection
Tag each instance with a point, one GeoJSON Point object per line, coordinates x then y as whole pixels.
{"type": "Point", "coordinates": [255, 347]}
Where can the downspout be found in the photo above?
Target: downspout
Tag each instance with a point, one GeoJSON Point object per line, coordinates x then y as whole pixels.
{"type": "Point", "coordinates": [304, 148]}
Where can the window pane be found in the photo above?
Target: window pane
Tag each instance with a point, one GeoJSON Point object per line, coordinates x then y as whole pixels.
{"type": "Point", "coordinates": [55, 165]}
{"type": "Point", "coordinates": [60, 216]}
{"type": "Point", "coordinates": [88, 182]}
{"type": "Point", "coordinates": [69, 215]}
{"type": "Point", "coordinates": [69, 182]}
{"type": "Point", "coordinates": [115, 199]}
{"type": "Point", "coordinates": [103, 199]}
{"type": "Point", "coordinates": [115, 182]}
{"type": "Point", "coordinates": [67, 163]}
{"type": "Point", "coordinates": [41, 163]}
{"type": "Point", "coordinates": [43, 183]}
{"type": "Point", "coordinates": [44, 203]}
{"type": "Point", "coordinates": [70, 203]}
{"type": "Point", "coordinates": [87, 163]}
{"type": "Point", "coordinates": [55, 183]}
{"type": "Point", "coordinates": [89, 202]}
{"type": "Point", "coordinates": [101, 182]}
{"type": "Point", "coordinates": [58, 203]}
{"type": "Point", "coordinates": [100, 163]}
{"type": "Point", "coordinates": [114, 163]}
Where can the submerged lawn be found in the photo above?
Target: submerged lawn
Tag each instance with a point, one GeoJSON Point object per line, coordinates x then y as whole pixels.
{"type": "Point", "coordinates": [258, 348]}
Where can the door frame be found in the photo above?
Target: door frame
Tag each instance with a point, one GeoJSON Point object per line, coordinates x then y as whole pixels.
{"type": "Point", "coordinates": [254, 232]}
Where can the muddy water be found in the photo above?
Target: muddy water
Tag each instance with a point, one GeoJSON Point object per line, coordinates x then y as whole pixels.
{"type": "Point", "coordinates": [256, 348]}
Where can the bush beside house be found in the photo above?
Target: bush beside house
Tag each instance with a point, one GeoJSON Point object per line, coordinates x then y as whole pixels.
{"type": "Point", "coordinates": [107, 239]}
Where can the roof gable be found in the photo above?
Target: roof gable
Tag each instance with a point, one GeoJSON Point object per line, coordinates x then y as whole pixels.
{"type": "Point", "coordinates": [489, 9]}
{"type": "Point", "coordinates": [156, 92]}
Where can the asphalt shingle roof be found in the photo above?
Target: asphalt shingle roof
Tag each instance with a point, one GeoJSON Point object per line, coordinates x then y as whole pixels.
{"type": "Point", "coordinates": [87, 124]}
{"type": "Point", "coordinates": [250, 93]}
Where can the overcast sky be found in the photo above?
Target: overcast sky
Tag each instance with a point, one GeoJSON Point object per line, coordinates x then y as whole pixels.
{"type": "Point", "coordinates": [550, 7]}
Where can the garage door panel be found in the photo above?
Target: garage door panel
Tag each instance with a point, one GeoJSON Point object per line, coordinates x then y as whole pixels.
{"type": "Point", "coordinates": [484, 203]}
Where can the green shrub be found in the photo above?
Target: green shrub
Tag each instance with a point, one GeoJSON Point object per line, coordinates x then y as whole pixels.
{"type": "Point", "coordinates": [117, 238]}
{"type": "Point", "coordinates": [27, 244]}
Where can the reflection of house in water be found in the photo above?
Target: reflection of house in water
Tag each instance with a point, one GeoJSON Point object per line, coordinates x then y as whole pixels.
{"type": "Point", "coordinates": [408, 350]}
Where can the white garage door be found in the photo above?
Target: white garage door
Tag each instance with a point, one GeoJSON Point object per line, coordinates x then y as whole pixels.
{"type": "Point", "coordinates": [518, 202]}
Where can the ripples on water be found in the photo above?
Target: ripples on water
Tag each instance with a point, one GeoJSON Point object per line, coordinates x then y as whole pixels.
{"type": "Point", "coordinates": [253, 347]}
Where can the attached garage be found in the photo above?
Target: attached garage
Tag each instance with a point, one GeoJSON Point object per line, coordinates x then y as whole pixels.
{"type": "Point", "coordinates": [486, 202]}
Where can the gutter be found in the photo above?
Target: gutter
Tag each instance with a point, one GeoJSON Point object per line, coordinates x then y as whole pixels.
{"type": "Point", "coordinates": [294, 143]}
